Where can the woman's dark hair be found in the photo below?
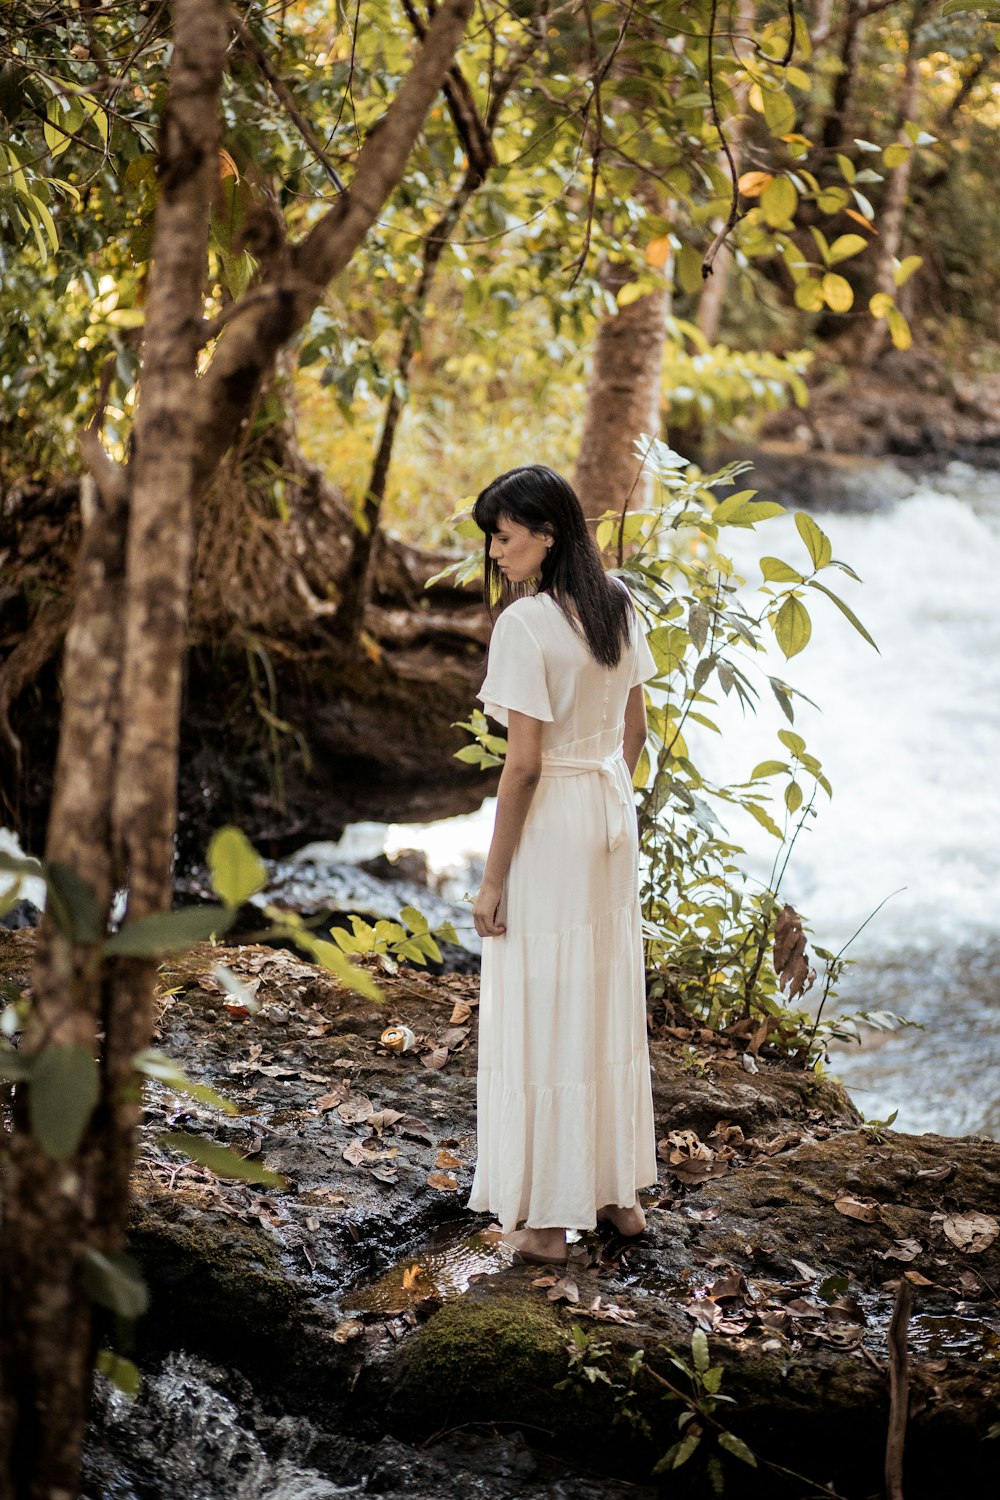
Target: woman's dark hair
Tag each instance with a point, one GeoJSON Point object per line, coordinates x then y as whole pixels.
{"type": "Point", "coordinates": [571, 571]}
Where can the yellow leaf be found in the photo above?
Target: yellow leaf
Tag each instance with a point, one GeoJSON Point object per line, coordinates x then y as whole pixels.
{"type": "Point", "coordinates": [895, 155]}
{"type": "Point", "coordinates": [809, 295]}
{"type": "Point", "coordinates": [832, 199]}
{"type": "Point", "coordinates": [846, 245]}
{"type": "Point", "coordinates": [658, 252]}
{"type": "Point", "coordinates": [779, 201]}
{"type": "Point", "coordinates": [752, 184]}
{"type": "Point", "coordinates": [837, 292]}
{"type": "Point", "coordinates": [755, 98]}
{"type": "Point", "coordinates": [779, 112]}
{"type": "Point", "coordinates": [880, 304]}
{"type": "Point", "coordinates": [902, 273]}
{"type": "Point", "coordinates": [899, 329]}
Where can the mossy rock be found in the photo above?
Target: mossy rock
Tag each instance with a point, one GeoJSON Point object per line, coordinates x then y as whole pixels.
{"type": "Point", "coordinates": [504, 1360]}
{"type": "Point", "coordinates": [219, 1282]}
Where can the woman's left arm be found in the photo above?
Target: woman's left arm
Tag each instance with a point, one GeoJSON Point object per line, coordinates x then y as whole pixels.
{"type": "Point", "coordinates": [521, 772]}
{"type": "Point", "coordinates": [635, 727]}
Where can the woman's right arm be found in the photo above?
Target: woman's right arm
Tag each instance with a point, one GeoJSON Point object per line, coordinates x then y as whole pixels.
{"type": "Point", "coordinates": [518, 780]}
{"type": "Point", "coordinates": [635, 727]}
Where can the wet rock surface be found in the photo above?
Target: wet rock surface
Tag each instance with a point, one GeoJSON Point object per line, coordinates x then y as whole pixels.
{"type": "Point", "coordinates": [366, 1310]}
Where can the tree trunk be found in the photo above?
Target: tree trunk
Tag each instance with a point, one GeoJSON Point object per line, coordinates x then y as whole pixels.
{"type": "Point", "coordinates": [623, 399]}
{"type": "Point", "coordinates": [892, 217]}
{"type": "Point", "coordinates": [56, 1211]}
{"type": "Point", "coordinates": [836, 122]}
{"type": "Point", "coordinates": [713, 293]}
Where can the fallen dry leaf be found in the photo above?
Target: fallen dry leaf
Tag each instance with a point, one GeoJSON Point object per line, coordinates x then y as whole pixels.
{"type": "Point", "coordinates": [461, 1013]}
{"type": "Point", "coordinates": [865, 1209]}
{"type": "Point", "coordinates": [806, 1272]}
{"type": "Point", "coordinates": [383, 1118]}
{"type": "Point", "coordinates": [356, 1110]}
{"type": "Point", "coordinates": [726, 1287]}
{"type": "Point", "coordinates": [349, 1329]}
{"type": "Point", "coordinates": [902, 1250]}
{"type": "Point", "coordinates": [694, 1169]}
{"type": "Point", "coordinates": [971, 1233]}
{"type": "Point", "coordinates": [329, 1101]}
{"type": "Point", "coordinates": [355, 1153]}
{"type": "Point", "coordinates": [415, 1129]}
{"type": "Point", "coordinates": [938, 1174]}
{"type": "Point", "coordinates": [411, 1275]}
{"type": "Point", "coordinates": [435, 1058]}
{"type": "Point", "coordinates": [454, 1037]}
{"type": "Point", "coordinates": [448, 1159]}
{"type": "Point", "coordinates": [916, 1278]}
{"type": "Point", "coordinates": [443, 1181]}
{"type": "Point", "coordinates": [564, 1290]}
{"type": "Point", "coordinates": [385, 1174]}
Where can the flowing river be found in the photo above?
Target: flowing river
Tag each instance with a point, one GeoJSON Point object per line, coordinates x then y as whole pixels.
{"type": "Point", "coordinates": [910, 739]}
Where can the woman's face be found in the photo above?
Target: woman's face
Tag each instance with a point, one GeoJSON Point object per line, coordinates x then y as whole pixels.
{"type": "Point", "coordinates": [518, 552]}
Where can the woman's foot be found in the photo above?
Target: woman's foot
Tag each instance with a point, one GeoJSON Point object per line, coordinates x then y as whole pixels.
{"type": "Point", "coordinates": [628, 1221]}
{"type": "Point", "coordinates": [542, 1247]}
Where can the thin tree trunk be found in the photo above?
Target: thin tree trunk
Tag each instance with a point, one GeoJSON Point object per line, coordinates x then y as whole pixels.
{"type": "Point", "coordinates": [892, 217]}
{"type": "Point", "coordinates": [713, 293]}
{"type": "Point", "coordinates": [55, 1211]}
{"type": "Point", "coordinates": [623, 399]}
{"type": "Point", "coordinates": [836, 122]}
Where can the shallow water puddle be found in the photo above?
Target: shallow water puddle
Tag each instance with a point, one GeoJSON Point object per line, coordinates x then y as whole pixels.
{"type": "Point", "coordinates": [938, 1336]}
{"type": "Point", "coordinates": [443, 1268]}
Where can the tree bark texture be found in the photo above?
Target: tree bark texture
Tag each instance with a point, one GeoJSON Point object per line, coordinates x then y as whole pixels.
{"type": "Point", "coordinates": [836, 122]}
{"type": "Point", "coordinates": [892, 218]}
{"type": "Point", "coordinates": [122, 686]}
{"type": "Point", "coordinates": [114, 806]}
{"type": "Point", "coordinates": [623, 399]}
{"type": "Point", "coordinates": [713, 294]}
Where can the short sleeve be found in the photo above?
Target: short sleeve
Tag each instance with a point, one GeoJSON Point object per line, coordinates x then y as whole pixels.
{"type": "Point", "coordinates": [643, 665]}
{"type": "Point", "coordinates": [515, 675]}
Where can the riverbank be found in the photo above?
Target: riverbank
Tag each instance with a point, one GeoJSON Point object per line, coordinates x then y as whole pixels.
{"type": "Point", "coordinates": [361, 1299]}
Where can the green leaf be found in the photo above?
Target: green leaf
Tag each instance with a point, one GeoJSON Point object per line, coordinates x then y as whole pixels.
{"type": "Point", "coordinates": [163, 1069]}
{"type": "Point", "coordinates": [15, 1066]}
{"type": "Point", "coordinates": [817, 543]}
{"type": "Point", "coordinates": [792, 742]}
{"type": "Point", "coordinates": [73, 903]}
{"type": "Point", "coordinates": [833, 1287]}
{"type": "Point", "coordinates": [329, 957]}
{"type": "Point", "coordinates": [220, 1160]}
{"type": "Point", "coordinates": [737, 1447]}
{"type": "Point", "coordinates": [65, 1087]}
{"type": "Point", "coordinates": [169, 932]}
{"type": "Point", "coordinates": [768, 768]}
{"type": "Point", "coordinates": [238, 872]}
{"type": "Point", "coordinates": [21, 864]}
{"type": "Point", "coordinates": [779, 201]}
{"type": "Point", "coordinates": [682, 1451]}
{"type": "Point", "coordinates": [792, 627]}
{"type": "Point", "coordinates": [740, 511]}
{"type": "Point", "coordinates": [846, 245]}
{"type": "Point", "coordinates": [845, 610]}
{"type": "Point", "coordinates": [776, 571]}
{"type": "Point", "coordinates": [793, 797]}
{"type": "Point", "coordinates": [122, 1373]}
{"type": "Point", "coordinates": [699, 1350]}
{"type": "Point", "coordinates": [114, 1281]}
{"type": "Point", "coordinates": [847, 168]}
{"type": "Point", "coordinates": [414, 919]}
{"type": "Point", "coordinates": [763, 817]}
{"type": "Point", "coordinates": [779, 112]}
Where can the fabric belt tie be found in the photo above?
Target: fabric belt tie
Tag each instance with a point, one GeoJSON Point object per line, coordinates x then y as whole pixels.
{"type": "Point", "coordinates": [615, 781]}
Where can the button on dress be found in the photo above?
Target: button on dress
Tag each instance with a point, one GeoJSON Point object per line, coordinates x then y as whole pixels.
{"type": "Point", "coordinates": [565, 1112]}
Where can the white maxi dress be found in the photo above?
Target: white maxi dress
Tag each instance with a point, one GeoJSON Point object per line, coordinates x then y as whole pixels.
{"type": "Point", "coordinates": [565, 1114]}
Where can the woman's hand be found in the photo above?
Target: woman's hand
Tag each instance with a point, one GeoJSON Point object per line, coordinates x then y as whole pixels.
{"type": "Point", "coordinates": [484, 910]}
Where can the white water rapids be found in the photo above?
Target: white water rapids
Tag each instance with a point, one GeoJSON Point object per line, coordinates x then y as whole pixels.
{"type": "Point", "coordinates": [910, 739]}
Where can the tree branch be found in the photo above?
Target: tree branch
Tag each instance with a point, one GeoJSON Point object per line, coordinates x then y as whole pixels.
{"type": "Point", "coordinates": [283, 93]}
{"type": "Point", "coordinates": [734, 203]}
{"type": "Point", "coordinates": [248, 346]}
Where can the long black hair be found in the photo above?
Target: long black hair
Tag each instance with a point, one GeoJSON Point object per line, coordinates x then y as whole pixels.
{"type": "Point", "coordinates": [571, 571]}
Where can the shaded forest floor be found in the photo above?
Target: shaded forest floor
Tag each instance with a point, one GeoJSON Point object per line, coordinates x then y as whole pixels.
{"type": "Point", "coordinates": [361, 1295]}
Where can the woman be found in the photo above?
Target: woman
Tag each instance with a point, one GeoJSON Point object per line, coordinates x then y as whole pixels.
{"type": "Point", "coordinates": [565, 1109]}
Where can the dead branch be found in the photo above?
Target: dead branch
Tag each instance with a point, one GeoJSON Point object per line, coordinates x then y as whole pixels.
{"type": "Point", "coordinates": [899, 1390]}
{"type": "Point", "coordinates": [734, 203]}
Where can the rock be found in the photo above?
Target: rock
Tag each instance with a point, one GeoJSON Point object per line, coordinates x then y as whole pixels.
{"type": "Point", "coordinates": [358, 1295]}
{"type": "Point", "coordinates": [21, 914]}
